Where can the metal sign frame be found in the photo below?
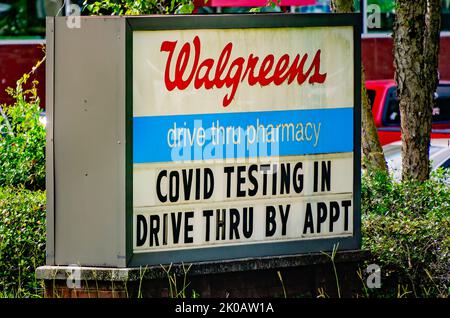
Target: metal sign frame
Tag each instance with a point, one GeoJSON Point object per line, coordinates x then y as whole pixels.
{"type": "Point", "coordinates": [233, 22]}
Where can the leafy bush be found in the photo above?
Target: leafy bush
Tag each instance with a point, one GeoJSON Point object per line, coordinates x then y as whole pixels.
{"type": "Point", "coordinates": [406, 228]}
{"type": "Point", "coordinates": [22, 240]}
{"type": "Point", "coordinates": [22, 139]}
{"type": "Point", "coordinates": [136, 7]}
{"type": "Point", "coordinates": [22, 19]}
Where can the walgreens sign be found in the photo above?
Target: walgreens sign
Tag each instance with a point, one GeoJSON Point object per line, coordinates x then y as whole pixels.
{"type": "Point", "coordinates": [210, 73]}
{"type": "Point", "coordinates": [239, 70]}
{"type": "Point", "coordinates": [243, 137]}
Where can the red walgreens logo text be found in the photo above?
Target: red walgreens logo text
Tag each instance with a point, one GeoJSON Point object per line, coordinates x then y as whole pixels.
{"type": "Point", "coordinates": [236, 72]}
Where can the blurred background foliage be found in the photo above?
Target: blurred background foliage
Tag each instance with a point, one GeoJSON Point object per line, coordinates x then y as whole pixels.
{"type": "Point", "coordinates": [26, 18]}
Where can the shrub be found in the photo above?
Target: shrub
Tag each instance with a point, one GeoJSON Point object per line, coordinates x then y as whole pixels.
{"type": "Point", "coordinates": [22, 240]}
{"type": "Point", "coordinates": [22, 139]}
{"type": "Point", "coordinates": [406, 228]}
{"type": "Point", "coordinates": [136, 7]}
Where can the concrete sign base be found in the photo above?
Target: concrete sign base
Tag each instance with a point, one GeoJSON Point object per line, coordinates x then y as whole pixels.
{"type": "Point", "coordinates": [302, 275]}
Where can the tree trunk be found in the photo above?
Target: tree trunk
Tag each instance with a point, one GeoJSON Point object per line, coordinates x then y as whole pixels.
{"type": "Point", "coordinates": [342, 6]}
{"type": "Point", "coordinates": [373, 157]}
{"type": "Point", "coordinates": [432, 39]}
{"type": "Point", "coordinates": [416, 46]}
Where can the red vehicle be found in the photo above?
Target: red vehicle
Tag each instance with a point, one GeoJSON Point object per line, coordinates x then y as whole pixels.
{"type": "Point", "coordinates": [385, 109]}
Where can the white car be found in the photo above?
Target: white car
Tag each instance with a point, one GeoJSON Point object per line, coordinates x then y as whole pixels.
{"type": "Point", "coordinates": [439, 156]}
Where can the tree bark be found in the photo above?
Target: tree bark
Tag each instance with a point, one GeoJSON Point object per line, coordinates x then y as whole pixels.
{"type": "Point", "coordinates": [373, 156]}
{"type": "Point", "coordinates": [416, 47]}
{"type": "Point", "coordinates": [432, 39]}
{"type": "Point", "coordinates": [372, 152]}
{"type": "Point", "coordinates": [342, 6]}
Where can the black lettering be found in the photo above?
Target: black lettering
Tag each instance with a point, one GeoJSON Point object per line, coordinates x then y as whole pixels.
{"type": "Point", "coordinates": [334, 213]}
{"type": "Point", "coordinates": [274, 179]}
{"type": "Point", "coordinates": [188, 227]}
{"type": "Point", "coordinates": [141, 236]}
{"type": "Point", "coordinates": [346, 204]}
{"type": "Point", "coordinates": [174, 195]}
{"type": "Point", "coordinates": [220, 224]}
{"type": "Point", "coordinates": [253, 180]}
{"type": "Point", "coordinates": [208, 214]}
{"type": "Point", "coordinates": [284, 217]}
{"type": "Point", "coordinates": [271, 225]}
{"type": "Point", "coordinates": [234, 223]}
{"type": "Point", "coordinates": [164, 227]}
{"type": "Point", "coordinates": [298, 179]}
{"type": "Point", "coordinates": [207, 193]}
{"type": "Point", "coordinates": [264, 169]}
{"type": "Point", "coordinates": [176, 226]}
{"type": "Point", "coordinates": [161, 198]}
{"type": "Point", "coordinates": [326, 175]}
{"type": "Point", "coordinates": [248, 222]}
{"type": "Point", "coordinates": [228, 171]}
{"type": "Point", "coordinates": [197, 184]}
{"type": "Point", "coordinates": [321, 215]}
{"type": "Point", "coordinates": [309, 224]}
{"type": "Point", "coordinates": [240, 180]}
{"type": "Point", "coordinates": [285, 186]}
{"type": "Point", "coordinates": [187, 183]}
{"type": "Point", "coordinates": [154, 229]}
{"type": "Point", "coordinates": [316, 177]}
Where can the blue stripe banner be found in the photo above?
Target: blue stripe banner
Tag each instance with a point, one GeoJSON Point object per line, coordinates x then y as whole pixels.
{"type": "Point", "coordinates": [242, 135]}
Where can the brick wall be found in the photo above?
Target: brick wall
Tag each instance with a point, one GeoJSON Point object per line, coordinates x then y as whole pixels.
{"type": "Point", "coordinates": [17, 59]}
{"type": "Point", "coordinates": [379, 62]}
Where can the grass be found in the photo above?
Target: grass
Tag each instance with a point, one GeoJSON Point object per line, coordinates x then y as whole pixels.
{"type": "Point", "coordinates": [172, 280]}
{"type": "Point", "coordinates": [332, 257]}
{"type": "Point", "coordinates": [282, 283]}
